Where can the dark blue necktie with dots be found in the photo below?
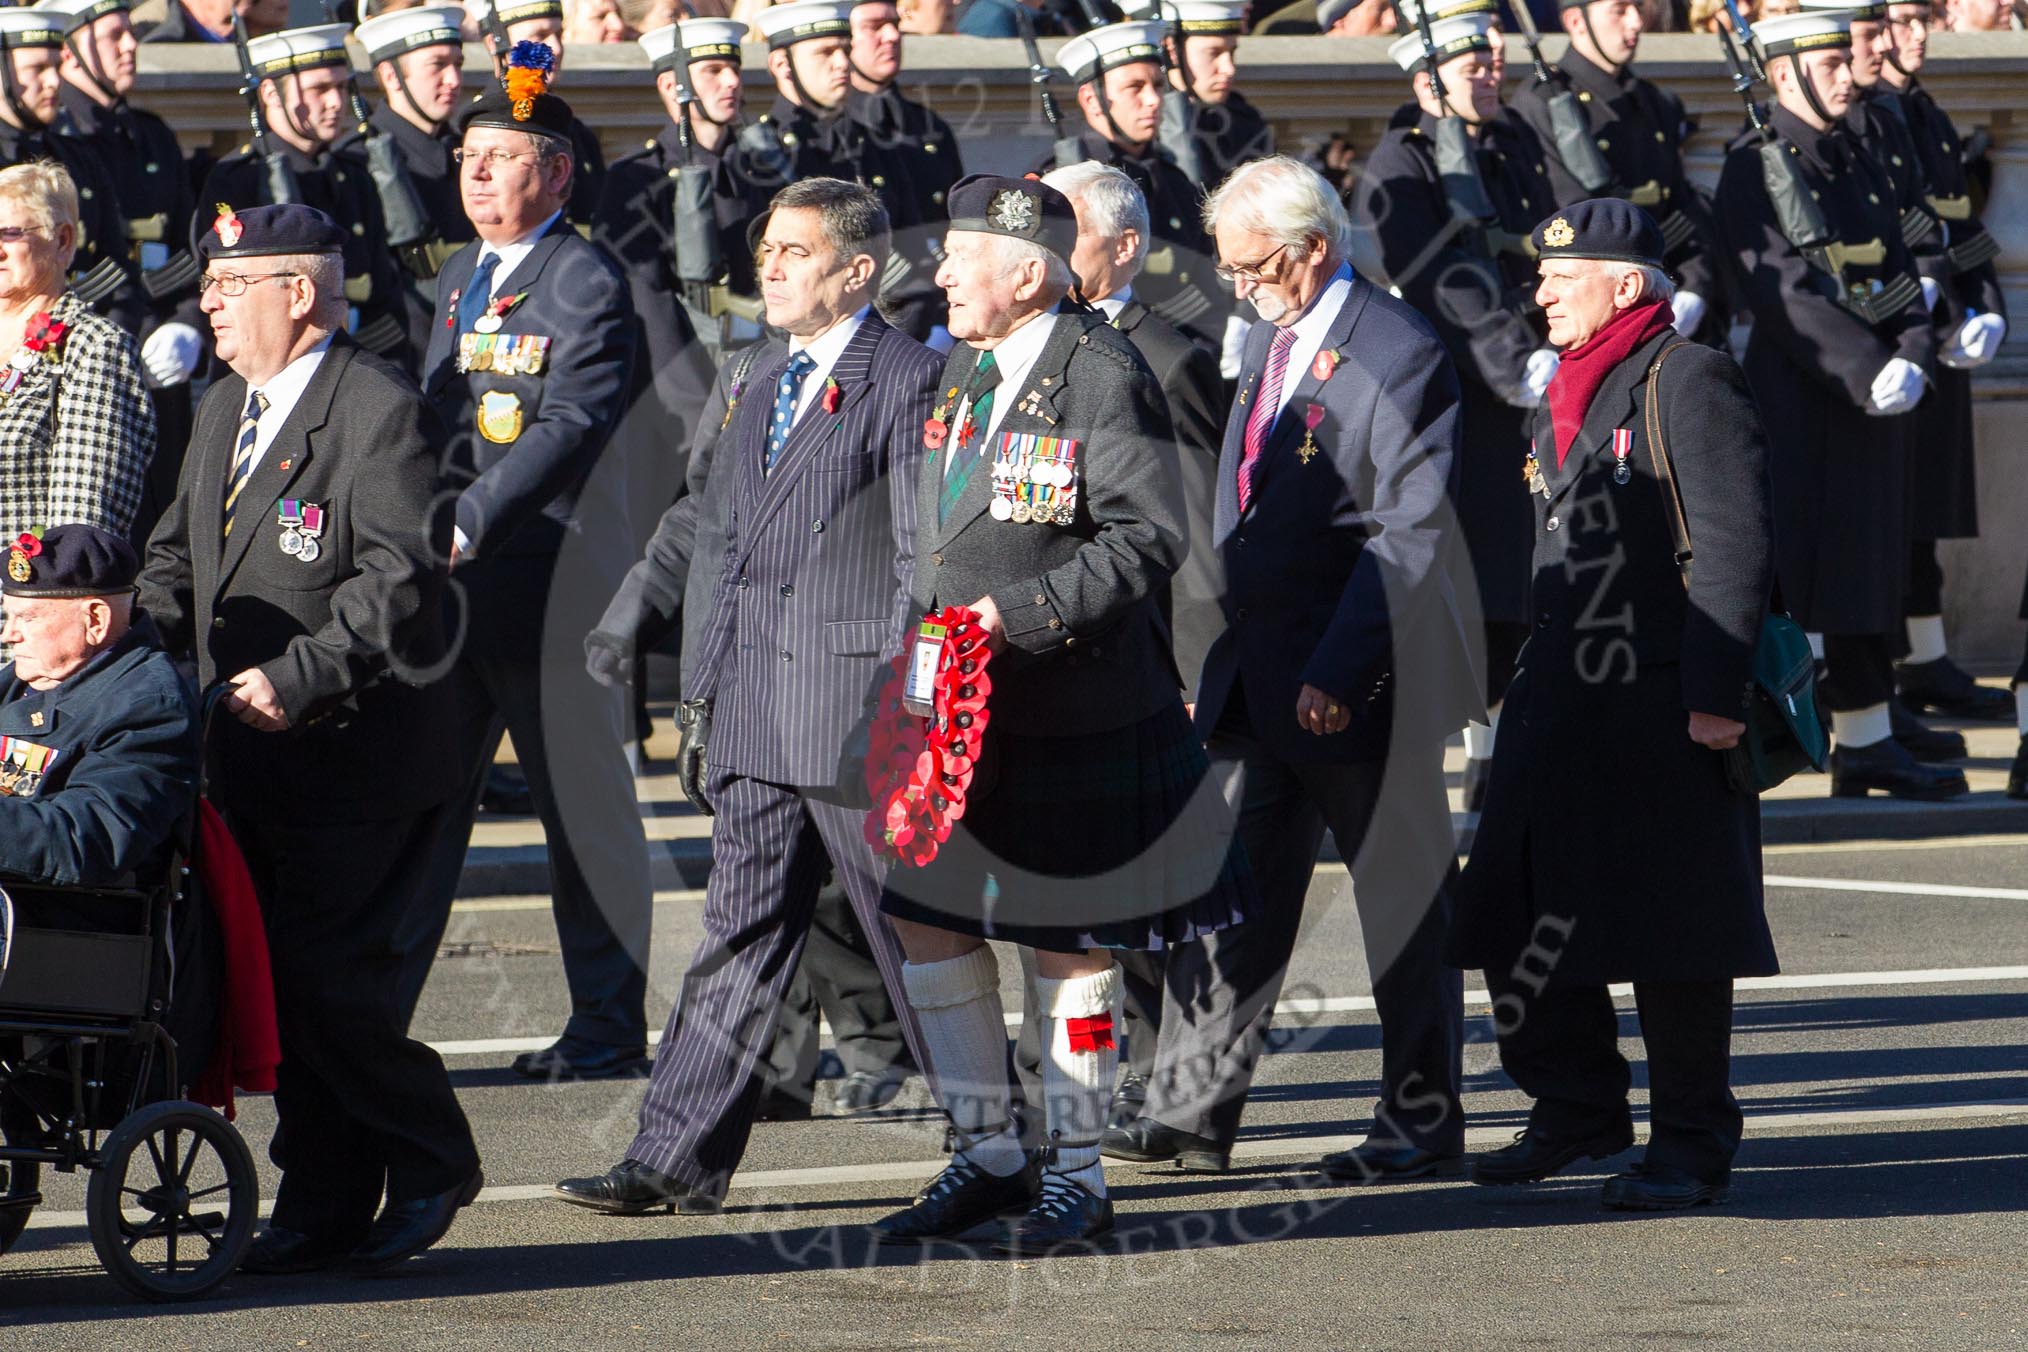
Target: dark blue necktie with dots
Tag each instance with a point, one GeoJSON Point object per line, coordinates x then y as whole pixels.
{"type": "Point", "coordinates": [786, 391]}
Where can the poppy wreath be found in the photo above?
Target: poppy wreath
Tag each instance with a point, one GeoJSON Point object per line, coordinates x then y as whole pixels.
{"type": "Point", "coordinates": [920, 770]}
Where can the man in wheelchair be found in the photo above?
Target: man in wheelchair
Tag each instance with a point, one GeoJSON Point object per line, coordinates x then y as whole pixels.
{"type": "Point", "coordinates": [99, 744]}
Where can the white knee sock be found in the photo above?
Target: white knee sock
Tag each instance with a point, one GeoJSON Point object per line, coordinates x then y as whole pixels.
{"type": "Point", "coordinates": [1925, 637]}
{"type": "Point", "coordinates": [1078, 1067]}
{"type": "Point", "coordinates": [2021, 707]}
{"type": "Point", "coordinates": [1816, 645]}
{"type": "Point", "coordinates": [957, 1006]}
{"type": "Point", "coordinates": [1861, 727]}
{"type": "Point", "coordinates": [1478, 742]}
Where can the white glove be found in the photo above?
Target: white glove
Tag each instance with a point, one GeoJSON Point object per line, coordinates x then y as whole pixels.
{"type": "Point", "coordinates": [1233, 348]}
{"type": "Point", "coordinates": [1896, 389]}
{"type": "Point", "coordinates": [170, 354]}
{"type": "Point", "coordinates": [1689, 307]}
{"type": "Point", "coordinates": [1535, 377]}
{"type": "Point", "coordinates": [1931, 293]}
{"type": "Point", "coordinates": [1975, 343]}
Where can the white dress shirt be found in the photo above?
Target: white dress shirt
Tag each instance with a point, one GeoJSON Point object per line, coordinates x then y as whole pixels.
{"type": "Point", "coordinates": [510, 255]}
{"type": "Point", "coordinates": [283, 393]}
{"type": "Point", "coordinates": [1016, 357]}
{"type": "Point", "coordinates": [825, 351]}
{"type": "Point", "coordinates": [1111, 306]}
{"type": "Point", "coordinates": [1313, 328]}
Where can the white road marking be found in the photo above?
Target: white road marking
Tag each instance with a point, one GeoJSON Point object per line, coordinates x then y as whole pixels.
{"type": "Point", "coordinates": [1306, 1006]}
{"type": "Point", "coordinates": [1898, 889]}
{"type": "Point", "coordinates": [1268, 1148]}
{"type": "Point", "coordinates": [1892, 846]}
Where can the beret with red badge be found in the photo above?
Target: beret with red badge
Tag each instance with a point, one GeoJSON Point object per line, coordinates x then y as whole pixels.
{"type": "Point", "coordinates": [69, 561]}
{"type": "Point", "coordinates": [264, 232]}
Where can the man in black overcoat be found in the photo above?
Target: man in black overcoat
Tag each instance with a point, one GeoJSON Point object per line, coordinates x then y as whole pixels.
{"type": "Point", "coordinates": [1636, 678]}
{"type": "Point", "coordinates": [301, 566]}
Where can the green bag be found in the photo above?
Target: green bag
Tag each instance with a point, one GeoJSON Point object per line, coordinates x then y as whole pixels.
{"type": "Point", "coordinates": [1785, 731]}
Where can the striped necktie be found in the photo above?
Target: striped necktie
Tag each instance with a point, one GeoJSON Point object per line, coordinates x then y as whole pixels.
{"type": "Point", "coordinates": [1267, 406]}
{"type": "Point", "coordinates": [243, 456]}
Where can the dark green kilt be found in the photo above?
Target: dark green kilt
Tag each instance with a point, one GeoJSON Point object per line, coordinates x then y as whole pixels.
{"type": "Point", "coordinates": [1117, 839]}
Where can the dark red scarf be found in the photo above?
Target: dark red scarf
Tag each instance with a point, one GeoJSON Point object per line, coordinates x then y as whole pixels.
{"type": "Point", "coordinates": [1585, 367]}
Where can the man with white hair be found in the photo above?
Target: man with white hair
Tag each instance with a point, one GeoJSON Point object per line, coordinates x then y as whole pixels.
{"type": "Point", "coordinates": [1342, 669]}
{"type": "Point", "coordinates": [1046, 508]}
{"type": "Point", "coordinates": [1635, 684]}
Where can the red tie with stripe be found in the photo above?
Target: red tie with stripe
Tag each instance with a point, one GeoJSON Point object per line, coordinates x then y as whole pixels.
{"type": "Point", "coordinates": [1267, 406]}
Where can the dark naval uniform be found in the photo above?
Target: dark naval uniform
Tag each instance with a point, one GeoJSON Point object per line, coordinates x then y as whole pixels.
{"type": "Point", "coordinates": [928, 150]}
{"type": "Point", "coordinates": [427, 157]}
{"type": "Point", "coordinates": [1639, 129]}
{"type": "Point", "coordinates": [336, 183]}
{"type": "Point", "coordinates": [1476, 285]}
{"type": "Point", "coordinates": [101, 272]}
{"type": "Point", "coordinates": [1229, 134]}
{"type": "Point", "coordinates": [1838, 476]}
{"type": "Point", "coordinates": [145, 167]}
{"type": "Point", "coordinates": [1176, 280]}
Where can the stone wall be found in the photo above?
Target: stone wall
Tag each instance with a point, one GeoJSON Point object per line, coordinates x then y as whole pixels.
{"type": "Point", "coordinates": [1312, 87]}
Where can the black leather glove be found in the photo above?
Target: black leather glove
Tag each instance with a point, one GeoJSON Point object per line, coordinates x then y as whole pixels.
{"type": "Point", "coordinates": [852, 790]}
{"type": "Point", "coordinates": [609, 658]}
{"type": "Point", "coordinates": [693, 731]}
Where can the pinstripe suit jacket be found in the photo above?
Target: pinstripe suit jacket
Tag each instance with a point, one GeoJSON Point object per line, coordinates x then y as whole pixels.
{"type": "Point", "coordinates": [814, 588]}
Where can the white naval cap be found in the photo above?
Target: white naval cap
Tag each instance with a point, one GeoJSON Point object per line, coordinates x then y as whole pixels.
{"type": "Point", "coordinates": [1451, 37]}
{"type": "Point", "coordinates": [33, 27]}
{"type": "Point", "coordinates": [75, 14]}
{"type": "Point", "coordinates": [700, 40]}
{"type": "Point", "coordinates": [1409, 12]}
{"type": "Point", "coordinates": [294, 49]}
{"type": "Point", "coordinates": [1200, 17]}
{"type": "Point", "coordinates": [386, 36]}
{"type": "Point", "coordinates": [1807, 30]}
{"type": "Point", "coordinates": [1865, 11]}
{"type": "Point", "coordinates": [785, 25]}
{"type": "Point", "coordinates": [515, 11]}
{"type": "Point", "coordinates": [1089, 55]}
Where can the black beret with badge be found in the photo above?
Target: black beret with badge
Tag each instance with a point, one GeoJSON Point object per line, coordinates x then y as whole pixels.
{"type": "Point", "coordinates": [522, 102]}
{"type": "Point", "coordinates": [1606, 228]}
{"type": "Point", "coordinates": [70, 561]}
{"type": "Point", "coordinates": [1020, 208]}
{"type": "Point", "coordinates": [264, 232]}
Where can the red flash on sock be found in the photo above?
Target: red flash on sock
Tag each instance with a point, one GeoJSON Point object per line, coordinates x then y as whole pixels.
{"type": "Point", "coordinates": [1091, 1035]}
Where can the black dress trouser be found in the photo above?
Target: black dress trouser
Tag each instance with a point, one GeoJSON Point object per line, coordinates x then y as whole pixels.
{"type": "Point", "coordinates": [1563, 1050]}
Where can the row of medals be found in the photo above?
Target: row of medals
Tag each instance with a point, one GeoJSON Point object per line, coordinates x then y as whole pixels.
{"type": "Point", "coordinates": [1042, 500]}
{"type": "Point", "coordinates": [1532, 471]}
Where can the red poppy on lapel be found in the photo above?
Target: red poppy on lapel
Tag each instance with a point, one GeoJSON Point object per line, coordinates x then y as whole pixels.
{"type": "Point", "coordinates": [833, 396]}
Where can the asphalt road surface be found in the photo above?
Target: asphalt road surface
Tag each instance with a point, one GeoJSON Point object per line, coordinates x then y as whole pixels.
{"type": "Point", "coordinates": [1878, 1202]}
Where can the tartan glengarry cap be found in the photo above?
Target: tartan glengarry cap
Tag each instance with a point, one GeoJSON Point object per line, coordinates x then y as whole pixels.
{"type": "Point", "coordinates": [1020, 208]}
{"type": "Point", "coordinates": [70, 560]}
{"type": "Point", "coordinates": [267, 231]}
{"type": "Point", "coordinates": [1607, 228]}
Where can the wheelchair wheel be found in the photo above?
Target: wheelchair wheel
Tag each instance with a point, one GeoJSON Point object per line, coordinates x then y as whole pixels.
{"type": "Point", "coordinates": [19, 1195]}
{"type": "Point", "coordinates": [171, 1204]}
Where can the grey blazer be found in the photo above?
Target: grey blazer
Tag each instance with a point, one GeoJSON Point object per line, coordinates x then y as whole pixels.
{"type": "Point", "coordinates": [1087, 647]}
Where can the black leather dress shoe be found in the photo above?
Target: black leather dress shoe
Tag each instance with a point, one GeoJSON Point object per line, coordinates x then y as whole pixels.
{"type": "Point", "coordinates": [1659, 1187]}
{"type": "Point", "coordinates": [782, 1105]}
{"type": "Point", "coordinates": [1146, 1141]}
{"type": "Point", "coordinates": [864, 1092]}
{"type": "Point", "coordinates": [631, 1188]}
{"type": "Point", "coordinates": [1927, 744]}
{"type": "Point", "coordinates": [962, 1196]}
{"type": "Point", "coordinates": [1536, 1155]}
{"type": "Point", "coordinates": [405, 1229]}
{"type": "Point", "coordinates": [1887, 766]}
{"type": "Point", "coordinates": [576, 1058]}
{"type": "Point", "coordinates": [1128, 1100]}
{"type": "Point", "coordinates": [2017, 776]}
{"type": "Point", "coordinates": [279, 1250]}
{"type": "Point", "coordinates": [1478, 774]}
{"type": "Point", "coordinates": [1388, 1162]}
{"type": "Point", "coordinates": [1946, 687]}
{"type": "Point", "coordinates": [1065, 1214]}
{"type": "Point", "coordinates": [507, 793]}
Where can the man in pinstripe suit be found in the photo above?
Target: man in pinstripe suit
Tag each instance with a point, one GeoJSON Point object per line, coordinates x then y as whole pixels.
{"type": "Point", "coordinates": [813, 597]}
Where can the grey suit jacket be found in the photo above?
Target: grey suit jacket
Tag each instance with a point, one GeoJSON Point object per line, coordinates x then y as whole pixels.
{"type": "Point", "coordinates": [812, 590]}
{"type": "Point", "coordinates": [1343, 572]}
{"type": "Point", "coordinates": [1087, 649]}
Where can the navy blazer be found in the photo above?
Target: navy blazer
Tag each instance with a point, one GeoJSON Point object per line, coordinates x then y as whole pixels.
{"type": "Point", "coordinates": [123, 780]}
{"type": "Point", "coordinates": [813, 589]}
{"type": "Point", "coordinates": [1342, 574]}
{"type": "Point", "coordinates": [522, 495]}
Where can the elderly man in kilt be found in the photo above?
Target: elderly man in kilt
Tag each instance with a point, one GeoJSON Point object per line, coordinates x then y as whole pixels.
{"type": "Point", "coordinates": [1094, 823]}
{"type": "Point", "coordinates": [1614, 846]}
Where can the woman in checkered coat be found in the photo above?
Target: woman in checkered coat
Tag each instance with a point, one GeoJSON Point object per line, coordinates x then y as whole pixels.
{"type": "Point", "coordinates": [76, 427]}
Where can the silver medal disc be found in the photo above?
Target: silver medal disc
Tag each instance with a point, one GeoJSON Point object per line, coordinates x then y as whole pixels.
{"type": "Point", "coordinates": [1621, 474]}
{"type": "Point", "coordinates": [1001, 509]}
{"type": "Point", "coordinates": [292, 541]}
{"type": "Point", "coordinates": [310, 549]}
{"type": "Point", "coordinates": [487, 324]}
